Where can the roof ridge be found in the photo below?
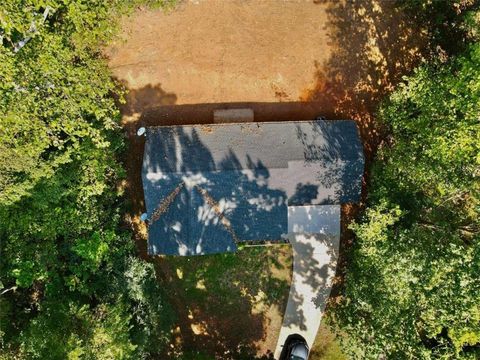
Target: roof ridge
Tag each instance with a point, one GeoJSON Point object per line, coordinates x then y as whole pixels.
{"type": "Point", "coordinates": [254, 123]}
{"type": "Point", "coordinates": [164, 205]}
{"type": "Point", "coordinates": [223, 219]}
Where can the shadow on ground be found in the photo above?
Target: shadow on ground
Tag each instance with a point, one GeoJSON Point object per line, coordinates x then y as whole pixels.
{"type": "Point", "coordinates": [375, 45]}
{"type": "Point", "coordinates": [221, 300]}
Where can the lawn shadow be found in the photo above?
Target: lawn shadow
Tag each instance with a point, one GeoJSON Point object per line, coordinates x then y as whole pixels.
{"type": "Point", "coordinates": [219, 300]}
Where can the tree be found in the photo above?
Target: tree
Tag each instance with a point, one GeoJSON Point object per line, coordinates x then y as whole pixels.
{"type": "Point", "coordinates": [60, 207]}
{"type": "Point", "coordinates": [413, 290]}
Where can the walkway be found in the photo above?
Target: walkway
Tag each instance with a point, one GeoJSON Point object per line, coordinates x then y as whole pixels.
{"type": "Point", "coordinates": [314, 262]}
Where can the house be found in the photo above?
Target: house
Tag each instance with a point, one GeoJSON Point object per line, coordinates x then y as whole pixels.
{"type": "Point", "coordinates": [209, 187]}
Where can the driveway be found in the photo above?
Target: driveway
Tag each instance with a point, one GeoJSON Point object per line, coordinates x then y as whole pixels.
{"type": "Point", "coordinates": [314, 262]}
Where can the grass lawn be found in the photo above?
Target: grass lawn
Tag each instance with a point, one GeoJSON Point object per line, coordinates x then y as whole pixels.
{"type": "Point", "coordinates": [326, 346]}
{"type": "Point", "coordinates": [227, 304]}
{"type": "Point", "coordinates": [232, 305]}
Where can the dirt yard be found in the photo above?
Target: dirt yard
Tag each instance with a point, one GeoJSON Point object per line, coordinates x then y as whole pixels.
{"type": "Point", "coordinates": [286, 60]}
{"type": "Point", "coordinates": [224, 51]}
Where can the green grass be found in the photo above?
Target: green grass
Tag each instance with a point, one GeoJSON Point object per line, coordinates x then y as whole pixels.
{"type": "Point", "coordinates": [326, 345]}
{"type": "Point", "coordinates": [226, 296]}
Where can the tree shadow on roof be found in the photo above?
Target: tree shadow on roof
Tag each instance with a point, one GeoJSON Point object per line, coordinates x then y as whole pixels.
{"type": "Point", "coordinates": [340, 156]}
{"type": "Point", "coordinates": [251, 209]}
{"type": "Point", "coordinates": [304, 194]}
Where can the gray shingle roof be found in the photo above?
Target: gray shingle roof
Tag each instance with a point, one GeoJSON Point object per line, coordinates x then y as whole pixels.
{"type": "Point", "coordinates": [208, 186]}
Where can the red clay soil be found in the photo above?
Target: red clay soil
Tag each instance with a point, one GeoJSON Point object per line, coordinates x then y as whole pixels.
{"type": "Point", "coordinates": [285, 60]}
{"type": "Point", "coordinates": [339, 58]}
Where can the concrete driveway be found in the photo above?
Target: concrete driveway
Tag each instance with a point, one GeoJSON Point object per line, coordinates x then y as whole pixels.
{"type": "Point", "coordinates": [314, 262]}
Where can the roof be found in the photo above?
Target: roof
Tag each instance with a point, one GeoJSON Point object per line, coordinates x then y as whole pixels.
{"type": "Point", "coordinates": [209, 186]}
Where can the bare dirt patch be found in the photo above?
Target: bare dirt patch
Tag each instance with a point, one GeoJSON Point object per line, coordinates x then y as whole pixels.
{"type": "Point", "coordinates": [287, 60]}
{"type": "Point", "coordinates": [224, 51]}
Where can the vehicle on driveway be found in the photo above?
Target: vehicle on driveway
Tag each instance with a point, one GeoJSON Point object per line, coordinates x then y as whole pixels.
{"type": "Point", "coordinates": [295, 348]}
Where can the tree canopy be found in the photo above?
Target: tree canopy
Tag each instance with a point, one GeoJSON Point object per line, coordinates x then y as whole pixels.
{"type": "Point", "coordinates": [70, 284]}
{"type": "Point", "coordinates": [412, 287]}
